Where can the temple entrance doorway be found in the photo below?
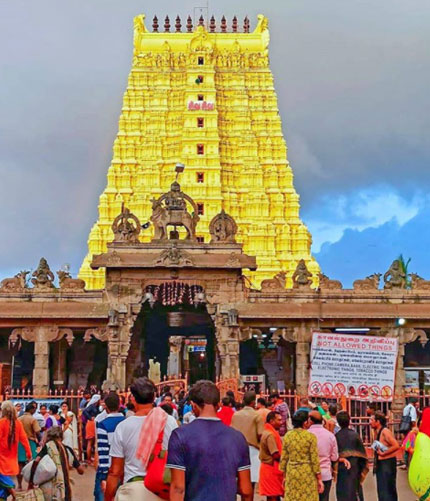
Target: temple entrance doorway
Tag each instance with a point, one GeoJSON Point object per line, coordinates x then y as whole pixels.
{"type": "Point", "coordinates": [265, 354]}
{"type": "Point", "coordinates": [82, 364]}
{"type": "Point", "coordinates": [18, 359]}
{"type": "Point", "coordinates": [173, 336]}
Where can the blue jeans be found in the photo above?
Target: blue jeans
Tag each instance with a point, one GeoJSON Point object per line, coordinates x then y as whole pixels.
{"type": "Point", "coordinates": [98, 493]}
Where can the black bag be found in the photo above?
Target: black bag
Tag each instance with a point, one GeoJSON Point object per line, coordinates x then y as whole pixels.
{"type": "Point", "coordinates": [405, 423]}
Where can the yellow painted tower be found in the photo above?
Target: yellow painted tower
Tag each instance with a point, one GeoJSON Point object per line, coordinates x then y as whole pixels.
{"type": "Point", "coordinates": [205, 97]}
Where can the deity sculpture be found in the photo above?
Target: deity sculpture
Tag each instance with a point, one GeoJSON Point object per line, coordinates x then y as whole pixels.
{"type": "Point", "coordinates": [43, 276]}
{"type": "Point", "coordinates": [395, 277]}
{"type": "Point", "coordinates": [223, 228]}
{"type": "Point", "coordinates": [174, 256]}
{"type": "Point", "coordinates": [126, 227]}
{"type": "Point", "coordinates": [302, 277]}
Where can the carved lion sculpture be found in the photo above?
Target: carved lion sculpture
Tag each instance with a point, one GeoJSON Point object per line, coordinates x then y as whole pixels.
{"type": "Point", "coordinates": [328, 283]}
{"type": "Point", "coordinates": [418, 282]}
{"type": "Point", "coordinates": [278, 282]}
{"type": "Point", "coordinates": [69, 283]}
{"type": "Point", "coordinates": [368, 283]}
{"type": "Point", "coordinates": [16, 283]}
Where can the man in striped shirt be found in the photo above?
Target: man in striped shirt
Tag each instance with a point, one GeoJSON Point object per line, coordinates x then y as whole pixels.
{"type": "Point", "coordinates": [105, 431]}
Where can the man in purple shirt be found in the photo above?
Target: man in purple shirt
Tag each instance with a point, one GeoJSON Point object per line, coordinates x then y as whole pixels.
{"type": "Point", "coordinates": [209, 460]}
{"type": "Point", "coordinates": [327, 451]}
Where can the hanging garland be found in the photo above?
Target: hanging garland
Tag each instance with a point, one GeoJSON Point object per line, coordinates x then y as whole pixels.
{"type": "Point", "coordinates": [174, 293]}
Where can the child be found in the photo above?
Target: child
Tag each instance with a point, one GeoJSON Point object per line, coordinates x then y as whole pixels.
{"type": "Point", "coordinates": [90, 434]}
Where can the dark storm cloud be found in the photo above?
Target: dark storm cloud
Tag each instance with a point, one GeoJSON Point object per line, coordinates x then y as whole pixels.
{"type": "Point", "coordinates": [352, 80]}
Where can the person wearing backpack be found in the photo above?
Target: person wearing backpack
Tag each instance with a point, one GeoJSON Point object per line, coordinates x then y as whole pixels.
{"type": "Point", "coordinates": [409, 416]}
{"type": "Point", "coordinates": [408, 422]}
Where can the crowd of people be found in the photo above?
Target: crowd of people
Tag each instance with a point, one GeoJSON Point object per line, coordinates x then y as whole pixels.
{"type": "Point", "coordinates": [195, 447]}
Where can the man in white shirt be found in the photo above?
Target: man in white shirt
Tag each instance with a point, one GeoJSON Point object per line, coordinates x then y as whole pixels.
{"type": "Point", "coordinates": [125, 466]}
{"type": "Point", "coordinates": [411, 411]}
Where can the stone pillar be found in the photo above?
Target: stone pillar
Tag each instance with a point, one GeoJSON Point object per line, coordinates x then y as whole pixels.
{"type": "Point", "coordinates": [41, 360]}
{"type": "Point", "coordinates": [303, 338]}
{"type": "Point", "coordinates": [405, 336]}
{"type": "Point", "coordinates": [231, 368]}
{"type": "Point", "coordinates": [302, 367]}
{"type": "Point", "coordinates": [399, 381]}
{"type": "Point", "coordinates": [116, 373]}
{"type": "Point", "coordinates": [227, 337]}
{"type": "Point", "coordinates": [59, 368]}
{"type": "Point", "coordinates": [118, 332]}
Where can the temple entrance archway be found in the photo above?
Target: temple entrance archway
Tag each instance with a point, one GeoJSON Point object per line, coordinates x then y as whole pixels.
{"type": "Point", "coordinates": [173, 335]}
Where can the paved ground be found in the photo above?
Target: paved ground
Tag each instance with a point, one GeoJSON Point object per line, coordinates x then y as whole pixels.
{"type": "Point", "coordinates": [83, 487]}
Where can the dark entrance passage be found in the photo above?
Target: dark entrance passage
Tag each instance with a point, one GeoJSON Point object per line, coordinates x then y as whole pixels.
{"type": "Point", "coordinates": [189, 323]}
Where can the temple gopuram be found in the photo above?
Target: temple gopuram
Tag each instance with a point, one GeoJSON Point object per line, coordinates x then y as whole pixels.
{"type": "Point", "coordinates": [199, 264]}
{"type": "Point", "coordinates": [205, 97]}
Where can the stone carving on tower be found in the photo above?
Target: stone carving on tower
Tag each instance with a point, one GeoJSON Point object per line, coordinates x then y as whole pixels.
{"type": "Point", "coordinates": [419, 283]}
{"type": "Point", "coordinates": [327, 283]}
{"type": "Point", "coordinates": [302, 277]}
{"type": "Point", "coordinates": [368, 283]}
{"type": "Point", "coordinates": [126, 227]}
{"type": "Point", "coordinates": [67, 283]}
{"type": "Point", "coordinates": [15, 284]}
{"type": "Point", "coordinates": [277, 283]}
{"type": "Point", "coordinates": [171, 210]}
{"type": "Point", "coordinates": [174, 257]}
{"type": "Point", "coordinates": [395, 277]}
{"type": "Point", "coordinates": [206, 97]}
{"type": "Point", "coordinates": [223, 228]}
{"type": "Point", "coordinates": [43, 278]}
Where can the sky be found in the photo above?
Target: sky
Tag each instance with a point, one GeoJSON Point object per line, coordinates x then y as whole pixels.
{"type": "Point", "coordinates": [352, 80]}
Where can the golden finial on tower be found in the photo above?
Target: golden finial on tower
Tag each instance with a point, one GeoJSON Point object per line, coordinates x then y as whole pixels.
{"type": "Point", "coordinates": [178, 24]}
{"type": "Point", "coordinates": [189, 24]}
{"type": "Point", "coordinates": [246, 25]}
{"type": "Point", "coordinates": [212, 25]}
{"type": "Point", "coordinates": [167, 25]}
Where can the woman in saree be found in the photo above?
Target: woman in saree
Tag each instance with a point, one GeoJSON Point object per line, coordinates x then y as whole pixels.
{"type": "Point", "coordinates": [11, 433]}
{"type": "Point", "coordinates": [70, 428]}
{"type": "Point", "coordinates": [300, 462]}
{"type": "Point", "coordinates": [59, 488]}
{"type": "Point", "coordinates": [54, 419]}
{"type": "Point", "coordinates": [350, 447]}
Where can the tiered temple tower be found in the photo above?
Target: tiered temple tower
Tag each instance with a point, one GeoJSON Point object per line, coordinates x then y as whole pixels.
{"type": "Point", "coordinates": [205, 97]}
